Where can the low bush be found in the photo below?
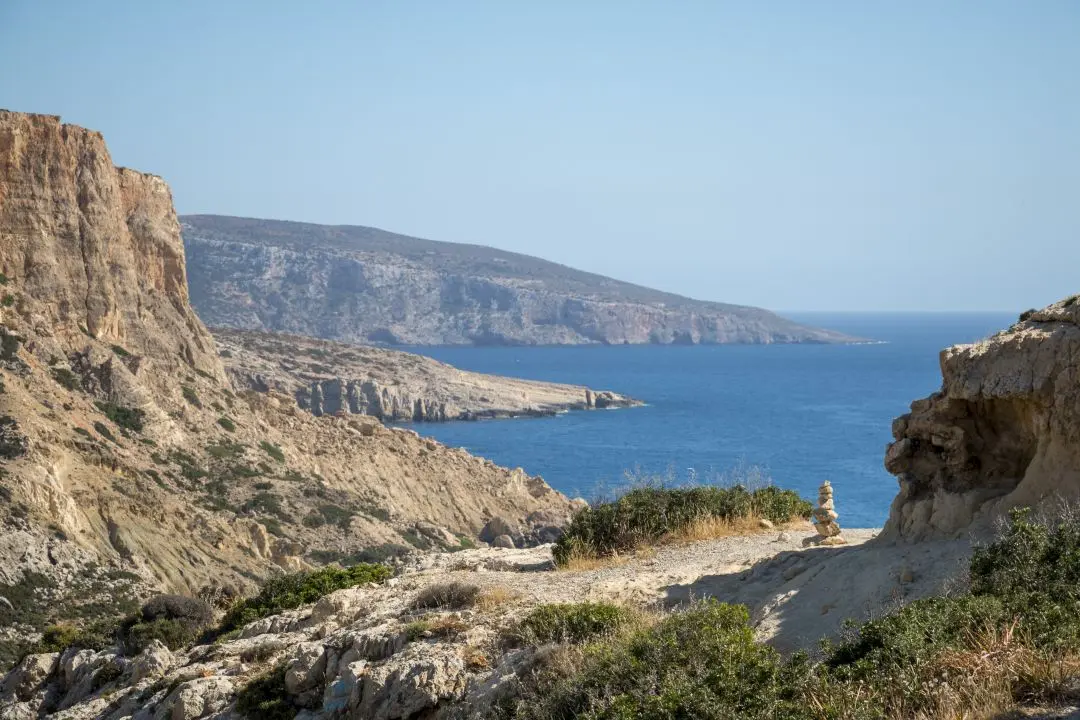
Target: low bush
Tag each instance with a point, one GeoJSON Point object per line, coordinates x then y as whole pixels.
{"type": "Point", "coordinates": [191, 396]}
{"type": "Point", "coordinates": [175, 620]}
{"type": "Point", "coordinates": [645, 515]}
{"type": "Point", "coordinates": [702, 662]}
{"type": "Point", "coordinates": [265, 698]}
{"type": "Point", "coordinates": [95, 636]}
{"type": "Point", "coordinates": [450, 595]}
{"type": "Point", "coordinates": [120, 351]}
{"type": "Point", "coordinates": [125, 417]}
{"type": "Point", "coordinates": [104, 431]}
{"type": "Point", "coordinates": [227, 424]}
{"type": "Point", "coordinates": [272, 450]}
{"type": "Point", "coordinates": [65, 377]}
{"type": "Point", "coordinates": [572, 622]}
{"type": "Point", "coordinates": [292, 591]}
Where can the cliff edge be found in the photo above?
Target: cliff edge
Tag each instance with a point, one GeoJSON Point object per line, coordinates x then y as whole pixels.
{"type": "Point", "coordinates": [1003, 431]}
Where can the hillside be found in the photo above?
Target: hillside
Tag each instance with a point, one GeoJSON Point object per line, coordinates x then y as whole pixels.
{"type": "Point", "coordinates": [328, 378]}
{"type": "Point", "coordinates": [362, 284]}
{"type": "Point", "coordinates": [128, 464]}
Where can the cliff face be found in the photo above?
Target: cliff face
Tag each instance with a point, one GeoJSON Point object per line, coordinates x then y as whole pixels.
{"type": "Point", "coordinates": [329, 378]}
{"type": "Point", "coordinates": [1003, 431]}
{"type": "Point", "coordinates": [364, 285]}
{"type": "Point", "coordinates": [127, 462]}
{"type": "Point", "coordinates": [100, 243]}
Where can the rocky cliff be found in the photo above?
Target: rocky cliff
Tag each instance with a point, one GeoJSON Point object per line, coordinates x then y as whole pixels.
{"type": "Point", "coordinates": [329, 378]}
{"type": "Point", "coordinates": [127, 462]}
{"type": "Point", "coordinates": [1003, 431]}
{"type": "Point", "coordinates": [361, 285]}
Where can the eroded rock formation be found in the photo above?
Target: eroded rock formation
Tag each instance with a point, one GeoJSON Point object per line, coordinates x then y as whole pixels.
{"type": "Point", "coordinates": [359, 284]}
{"type": "Point", "coordinates": [1003, 431]}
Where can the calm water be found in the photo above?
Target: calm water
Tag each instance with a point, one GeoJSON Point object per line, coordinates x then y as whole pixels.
{"type": "Point", "coordinates": [802, 412]}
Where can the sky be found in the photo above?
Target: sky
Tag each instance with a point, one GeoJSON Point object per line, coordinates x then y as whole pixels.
{"type": "Point", "coordinates": [792, 155]}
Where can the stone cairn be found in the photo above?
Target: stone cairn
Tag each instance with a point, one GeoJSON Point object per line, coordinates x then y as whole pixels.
{"type": "Point", "coordinates": [825, 518]}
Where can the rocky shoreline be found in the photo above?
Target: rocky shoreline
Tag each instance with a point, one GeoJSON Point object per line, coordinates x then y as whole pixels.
{"type": "Point", "coordinates": [328, 378]}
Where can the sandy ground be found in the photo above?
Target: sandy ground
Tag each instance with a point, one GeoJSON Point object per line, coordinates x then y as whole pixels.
{"type": "Point", "coordinates": [796, 595]}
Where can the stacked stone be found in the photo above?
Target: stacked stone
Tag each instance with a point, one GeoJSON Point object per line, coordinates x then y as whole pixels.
{"type": "Point", "coordinates": [825, 517]}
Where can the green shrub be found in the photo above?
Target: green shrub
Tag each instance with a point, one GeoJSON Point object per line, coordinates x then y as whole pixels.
{"type": "Point", "coordinates": [191, 396]}
{"type": "Point", "coordinates": [3, 279]}
{"type": "Point", "coordinates": [175, 620]}
{"type": "Point", "coordinates": [9, 346]}
{"type": "Point", "coordinates": [104, 431]}
{"type": "Point", "coordinates": [265, 698]}
{"type": "Point", "coordinates": [222, 450]}
{"type": "Point", "coordinates": [572, 622]}
{"type": "Point", "coordinates": [8, 300]}
{"type": "Point", "coordinates": [120, 351]}
{"type": "Point", "coordinates": [65, 377]}
{"type": "Point", "coordinates": [265, 502]}
{"type": "Point", "coordinates": [84, 432]}
{"type": "Point", "coordinates": [292, 591]}
{"type": "Point", "coordinates": [452, 595]}
{"type": "Point", "coordinates": [227, 424]}
{"type": "Point", "coordinates": [125, 417]}
{"type": "Point", "coordinates": [646, 514]}
{"type": "Point", "coordinates": [698, 663]}
{"type": "Point", "coordinates": [272, 450]}
{"type": "Point", "coordinates": [96, 636]}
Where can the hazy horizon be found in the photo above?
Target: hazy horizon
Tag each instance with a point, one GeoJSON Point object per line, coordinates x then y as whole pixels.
{"type": "Point", "coordinates": [802, 158]}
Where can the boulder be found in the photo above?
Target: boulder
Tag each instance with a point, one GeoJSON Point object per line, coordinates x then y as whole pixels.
{"type": "Point", "coordinates": [154, 661]}
{"type": "Point", "coordinates": [28, 677]}
{"type": "Point", "coordinates": [497, 526]}
{"type": "Point", "coordinates": [503, 541]}
{"type": "Point", "coordinates": [200, 698]}
{"type": "Point", "coordinates": [412, 682]}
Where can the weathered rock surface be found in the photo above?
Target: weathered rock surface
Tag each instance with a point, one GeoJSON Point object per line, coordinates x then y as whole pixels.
{"type": "Point", "coordinates": [328, 378]}
{"type": "Point", "coordinates": [1003, 431]}
{"type": "Point", "coordinates": [361, 285]}
{"type": "Point", "coordinates": [129, 465]}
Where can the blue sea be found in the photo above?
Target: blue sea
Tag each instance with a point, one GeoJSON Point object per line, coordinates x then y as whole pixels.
{"type": "Point", "coordinates": [800, 413]}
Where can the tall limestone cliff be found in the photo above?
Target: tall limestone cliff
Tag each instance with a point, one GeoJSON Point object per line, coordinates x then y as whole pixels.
{"type": "Point", "coordinates": [127, 462]}
{"type": "Point", "coordinates": [360, 284]}
{"type": "Point", "coordinates": [1003, 431]}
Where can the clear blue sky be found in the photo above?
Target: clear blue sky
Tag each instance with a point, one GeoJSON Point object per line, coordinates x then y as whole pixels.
{"type": "Point", "coordinates": [793, 155]}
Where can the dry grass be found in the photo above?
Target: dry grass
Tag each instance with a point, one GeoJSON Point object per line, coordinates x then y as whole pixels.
{"type": "Point", "coordinates": [710, 527]}
{"type": "Point", "coordinates": [495, 597]}
{"type": "Point", "coordinates": [582, 561]}
{"type": "Point", "coordinates": [475, 659]}
{"type": "Point", "coordinates": [993, 677]}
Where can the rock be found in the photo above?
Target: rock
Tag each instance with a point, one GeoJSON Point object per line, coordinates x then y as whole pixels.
{"type": "Point", "coordinates": [825, 518]}
{"type": "Point", "coordinates": [28, 676]}
{"type": "Point", "coordinates": [906, 575]}
{"type": "Point", "coordinates": [578, 504]}
{"type": "Point", "coordinates": [1000, 433]}
{"type": "Point", "coordinates": [154, 661]}
{"type": "Point", "coordinates": [765, 524]}
{"type": "Point", "coordinates": [413, 681]}
{"type": "Point", "coordinates": [499, 526]}
{"type": "Point", "coordinates": [503, 541]}
{"type": "Point", "coordinates": [200, 698]}
{"type": "Point", "coordinates": [306, 668]}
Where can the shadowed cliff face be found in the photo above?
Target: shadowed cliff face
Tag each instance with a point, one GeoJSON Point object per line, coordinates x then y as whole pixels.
{"type": "Point", "coordinates": [1004, 431]}
{"type": "Point", "coordinates": [365, 285]}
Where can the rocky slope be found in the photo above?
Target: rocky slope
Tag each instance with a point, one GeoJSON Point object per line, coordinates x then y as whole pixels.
{"type": "Point", "coordinates": [1003, 431]}
{"type": "Point", "coordinates": [360, 284]}
{"type": "Point", "coordinates": [127, 463]}
{"type": "Point", "coordinates": [328, 378]}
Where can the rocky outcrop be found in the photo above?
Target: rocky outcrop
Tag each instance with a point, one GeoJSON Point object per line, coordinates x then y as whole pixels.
{"type": "Point", "coordinates": [364, 285]}
{"type": "Point", "coordinates": [1003, 431]}
{"type": "Point", "coordinates": [328, 378]}
{"type": "Point", "coordinates": [128, 465]}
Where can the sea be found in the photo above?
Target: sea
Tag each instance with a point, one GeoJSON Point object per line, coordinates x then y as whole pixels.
{"type": "Point", "coordinates": [790, 415]}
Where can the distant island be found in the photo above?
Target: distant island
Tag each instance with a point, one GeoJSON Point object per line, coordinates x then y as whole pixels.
{"type": "Point", "coordinates": [364, 285]}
